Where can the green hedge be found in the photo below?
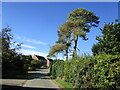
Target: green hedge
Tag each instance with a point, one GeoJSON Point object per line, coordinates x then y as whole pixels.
{"type": "Point", "coordinates": [56, 69]}
{"type": "Point", "coordinates": [34, 64]}
{"type": "Point", "coordinates": [101, 71]}
{"type": "Point", "coordinates": [106, 72]}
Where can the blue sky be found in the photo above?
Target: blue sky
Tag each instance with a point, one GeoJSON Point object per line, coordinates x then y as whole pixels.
{"type": "Point", "coordinates": [35, 24]}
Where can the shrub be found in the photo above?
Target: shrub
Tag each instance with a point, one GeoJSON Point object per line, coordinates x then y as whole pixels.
{"type": "Point", "coordinates": [57, 69]}
{"type": "Point", "coordinates": [109, 41]}
{"type": "Point", "coordinates": [106, 72]}
{"type": "Point", "coordinates": [35, 64]}
{"type": "Point", "coordinates": [100, 71]}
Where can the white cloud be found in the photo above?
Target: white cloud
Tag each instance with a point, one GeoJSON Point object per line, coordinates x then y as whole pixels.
{"type": "Point", "coordinates": [28, 46]}
{"type": "Point", "coordinates": [31, 52]}
{"type": "Point", "coordinates": [29, 40]}
{"type": "Point", "coordinates": [24, 45]}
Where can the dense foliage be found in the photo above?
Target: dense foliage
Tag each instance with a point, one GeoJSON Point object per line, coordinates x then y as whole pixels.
{"type": "Point", "coordinates": [101, 71]}
{"type": "Point", "coordinates": [79, 22]}
{"type": "Point", "coordinates": [57, 69]}
{"type": "Point", "coordinates": [11, 61]}
{"type": "Point", "coordinates": [29, 63]}
{"type": "Point", "coordinates": [14, 63]}
{"type": "Point", "coordinates": [35, 64]}
{"type": "Point", "coordinates": [109, 42]}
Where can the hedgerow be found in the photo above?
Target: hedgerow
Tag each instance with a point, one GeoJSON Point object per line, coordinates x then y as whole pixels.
{"type": "Point", "coordinates": [56, 69]}
{"type": "Point", "coordinates": [100, 71]}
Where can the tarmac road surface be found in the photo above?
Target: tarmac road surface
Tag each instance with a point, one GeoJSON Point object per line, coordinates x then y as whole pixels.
{"type": "Point", "coordinates": [41, 80]}
{"type": "Point", "coordinates": [38, 79]}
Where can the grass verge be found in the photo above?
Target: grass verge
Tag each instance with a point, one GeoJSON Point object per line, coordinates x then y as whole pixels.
{"type": "Point", "coordinates": [63, 83]}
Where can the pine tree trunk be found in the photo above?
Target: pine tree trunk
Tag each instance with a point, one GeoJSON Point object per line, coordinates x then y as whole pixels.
{"type": "Point", "coordinates": [66, 55]}
{"type": "Point", "coordinates": [75, 46]}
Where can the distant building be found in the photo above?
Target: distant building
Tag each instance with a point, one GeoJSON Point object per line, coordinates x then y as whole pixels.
{"type": "Point", "coordinates": [44, 61]}
{"type": "Point", "coordinates": [49, 62]}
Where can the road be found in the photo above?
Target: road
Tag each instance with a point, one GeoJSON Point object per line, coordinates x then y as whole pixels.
{"type": "Point", "coordinates": [38, 79]}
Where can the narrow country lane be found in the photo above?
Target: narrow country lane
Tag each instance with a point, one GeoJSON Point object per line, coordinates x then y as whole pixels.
{"type": "Point", "coordinates": [38, 79]}
{"type": "Point", "coordinates": [41, 80]}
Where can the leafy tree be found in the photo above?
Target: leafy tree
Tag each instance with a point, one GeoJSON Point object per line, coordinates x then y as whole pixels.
{"type": "Point", "coordinates": [6, 52]}
{"type": "Point", "coordinates": [56, 49]}
{"type": "Point", "coordinates": [27, 61]}
{"type": "Point", "coordinates": [11, 60]}
{"type": "Point", "coordinates": [109, 42]}
{"type": "Point", "coordinates": [64, 40]}
{"type": "Point", "coordinates": [64, 37]}
{"type": "Point", "coordinates": [35, 64]}
{"type": "Point", "coordinates": [81, 23]}
{"type": "Point", "coordinates": [97, 49]}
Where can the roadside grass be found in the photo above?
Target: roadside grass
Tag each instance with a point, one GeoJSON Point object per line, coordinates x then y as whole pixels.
{"type": "Point", "coordinates": [63, 83]}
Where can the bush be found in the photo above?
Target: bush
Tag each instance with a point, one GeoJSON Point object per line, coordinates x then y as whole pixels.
{"type": "Point", "coordinates": [27, 61]}
{"type": "Point", "coordinates": [106, 72]}
{"type": "Point", "coordinates": [35, 64]}
{"type": "Point", "coordinates": [57, 69]}
{"type": "Point", "coordinates": [100, 71]}
{"type": "Point", "coordinates": [109, 42]}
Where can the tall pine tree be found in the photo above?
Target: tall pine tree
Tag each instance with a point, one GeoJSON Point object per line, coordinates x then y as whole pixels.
{"type": "Point", "coordinates": [82, 21]}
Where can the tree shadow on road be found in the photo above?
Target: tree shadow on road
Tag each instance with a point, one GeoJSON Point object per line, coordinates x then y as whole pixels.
{"type": "Point", "coordinates": [39, 75]}
{"type": "Point", "coordinates": [8, 87]}
{"type": "Point", "coordinates": [30, 75]}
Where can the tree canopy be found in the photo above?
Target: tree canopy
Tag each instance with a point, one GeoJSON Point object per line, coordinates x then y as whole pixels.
{"type": "Point", "coordinates": [109, 42]}
{"type": "Point", "coordinates": [78, 23]}
{"type": "Point", "coordinates": [82, 20]}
